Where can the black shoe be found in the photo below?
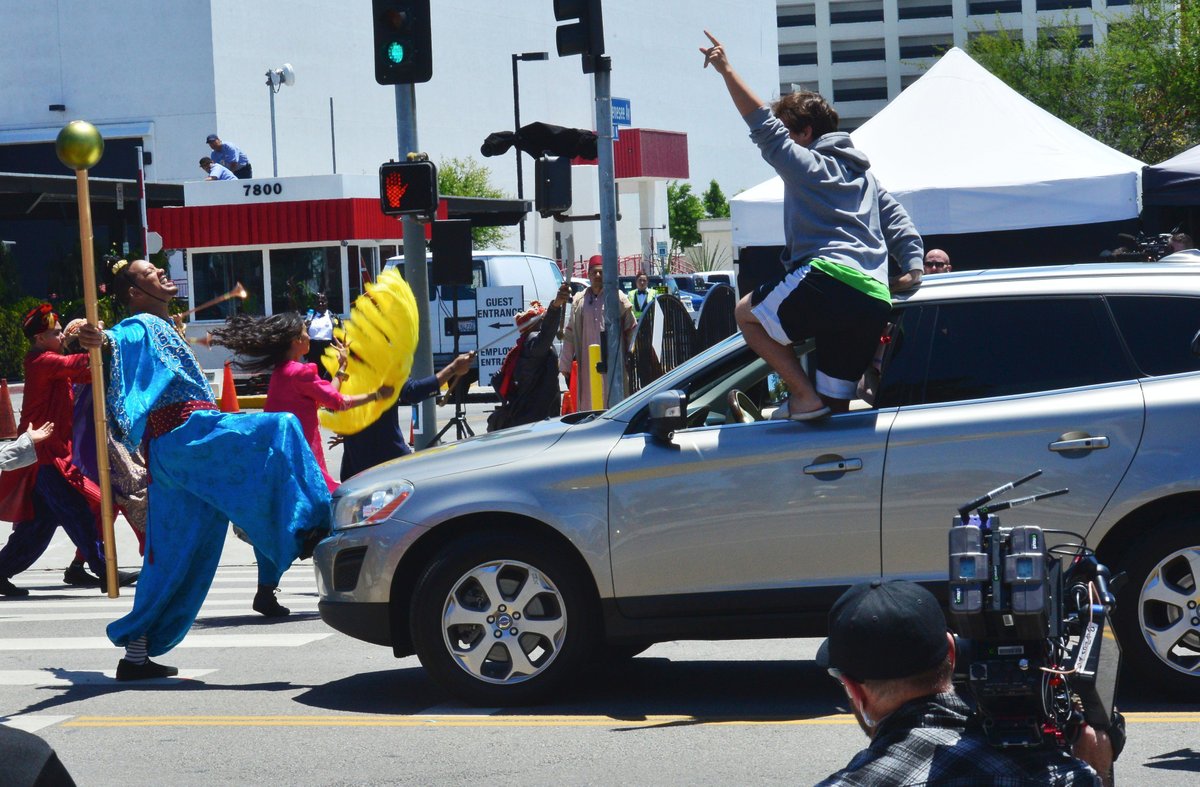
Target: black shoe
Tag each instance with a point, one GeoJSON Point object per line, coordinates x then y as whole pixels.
{"type": "Point", "coordinates": [80, 577]}
{"type": "Point", "coordinates": [124, 579]}
{"type": "Point", "coordinates": [9, 589]}
{"type": "Point", "coordinates": [127, 670]}
{"type": "Point", "coordinates": [266, 604]}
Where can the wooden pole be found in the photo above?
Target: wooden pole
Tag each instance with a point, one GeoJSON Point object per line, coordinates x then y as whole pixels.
{"type": "Point", "coordinates": [92, 311]}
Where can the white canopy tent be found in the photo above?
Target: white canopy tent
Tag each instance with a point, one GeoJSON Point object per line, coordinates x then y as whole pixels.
{"type": "Point", "coordinates": [963, 152]}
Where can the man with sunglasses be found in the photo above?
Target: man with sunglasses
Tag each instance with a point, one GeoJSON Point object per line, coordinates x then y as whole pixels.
{"type": "Point", "coordinates": [890, 649]}
{"type": "Point", "coordinates": [937, 261]}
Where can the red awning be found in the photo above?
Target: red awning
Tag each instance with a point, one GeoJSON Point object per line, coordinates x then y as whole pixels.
{"type": "Point", "coordinates": [264, 223]}
{"type": "Point", "coordinates": [648, 153]}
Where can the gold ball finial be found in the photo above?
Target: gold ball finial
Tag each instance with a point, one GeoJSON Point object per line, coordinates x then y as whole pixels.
{"type": "Point", "coordinates": [79, 145]}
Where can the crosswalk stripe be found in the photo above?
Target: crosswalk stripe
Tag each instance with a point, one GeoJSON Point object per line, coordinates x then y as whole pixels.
{"type": "Point", "coordinates": [43, 678]}
{"type": "Point", "coordinates": [32, 722]}
{"type": "Point", "coordinates": [26, 607]}
{"type": "Point", "coordinates": [62, 593]}
{"type": "Point", "coordinates": [287, 640]}
{"type": "Point", "coordinates": [294, 606]}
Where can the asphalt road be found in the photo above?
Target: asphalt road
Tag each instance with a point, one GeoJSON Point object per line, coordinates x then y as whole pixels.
{"type": "Point", "coordinates": [292, 702]}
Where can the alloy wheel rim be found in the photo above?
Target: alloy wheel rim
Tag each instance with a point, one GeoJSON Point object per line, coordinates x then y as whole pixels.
{"type": "Point", "coordinates": [1169, 610]}
{"type": "Point", "coordinates": [504, 622]}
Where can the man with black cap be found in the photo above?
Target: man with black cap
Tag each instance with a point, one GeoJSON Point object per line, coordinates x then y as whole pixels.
{"type": "Point", "coordinates": [231, 157]}
{"type": "Point", "coordinates": [890, 649]}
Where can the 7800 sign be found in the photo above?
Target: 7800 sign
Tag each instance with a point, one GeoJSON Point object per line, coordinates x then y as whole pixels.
{"type": "Point", "coordinates": [262, 189]}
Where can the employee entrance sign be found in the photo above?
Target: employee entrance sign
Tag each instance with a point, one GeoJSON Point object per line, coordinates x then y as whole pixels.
{"type": "Point", "coordinates": [495, 308]}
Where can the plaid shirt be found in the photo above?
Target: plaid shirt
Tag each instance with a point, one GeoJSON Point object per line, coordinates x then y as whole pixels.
{"type": "Point", "coordinates": [931, 740]}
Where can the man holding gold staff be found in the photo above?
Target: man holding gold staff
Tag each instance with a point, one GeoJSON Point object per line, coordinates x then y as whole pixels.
{"type": "Point", "coordinates": [206, 468]}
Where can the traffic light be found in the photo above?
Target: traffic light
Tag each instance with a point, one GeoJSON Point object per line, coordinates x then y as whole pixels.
{"type": "Point", "coordinates": [403, 41]}
{"type": "Point", "coordinates": [408, 187]}
{"type": "Point", "coordinates": [585, 33]}
{"type": "Point", "coordinates": [552, 185]}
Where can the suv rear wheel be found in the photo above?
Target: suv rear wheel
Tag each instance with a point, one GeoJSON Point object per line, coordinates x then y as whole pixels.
{"type": "Point", "coordinates": [1158, 611]}
{"type": "Point", "coordinates": [502, 619]}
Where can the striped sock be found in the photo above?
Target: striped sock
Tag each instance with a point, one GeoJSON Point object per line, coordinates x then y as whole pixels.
{"type": "Point", "coordinates": [135, 651]}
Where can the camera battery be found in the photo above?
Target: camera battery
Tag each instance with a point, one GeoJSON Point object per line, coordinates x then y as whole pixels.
{"type": "Point", "coordinates": [1025, 570]}
{"type": "Point", "coordinates": [968, 575]}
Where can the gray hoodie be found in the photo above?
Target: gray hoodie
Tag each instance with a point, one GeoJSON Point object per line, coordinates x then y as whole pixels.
{"type": "Point", "coordinates": [832, 206]}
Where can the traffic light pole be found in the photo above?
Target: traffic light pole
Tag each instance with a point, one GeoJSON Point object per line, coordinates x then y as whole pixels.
{"type": "Point", "coordinates": [615, 388]}
{"type": "Point", "coordinates": [416, 270]}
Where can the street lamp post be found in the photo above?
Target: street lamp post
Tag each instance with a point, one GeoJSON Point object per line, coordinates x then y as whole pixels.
{"type": "Point", "coordinates": [276, 78]}
{"type": "Point", "coordinates": [517, 126]}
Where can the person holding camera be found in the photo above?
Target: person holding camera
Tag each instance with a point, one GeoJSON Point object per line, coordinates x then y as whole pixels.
{"type": "Point", "coordinates": [890, 649]}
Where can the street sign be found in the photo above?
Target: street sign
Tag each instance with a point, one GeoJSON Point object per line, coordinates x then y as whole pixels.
{"type": "Point", "coordinates": [495, 308]}
{"type": "Point", "coordinates": [622, 114]}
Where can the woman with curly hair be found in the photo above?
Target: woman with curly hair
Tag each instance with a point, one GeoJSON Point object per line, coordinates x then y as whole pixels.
{"type": "Point", "coordinates": [277, 344]}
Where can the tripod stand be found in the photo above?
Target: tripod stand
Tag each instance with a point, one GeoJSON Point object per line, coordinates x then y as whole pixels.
{"type": "Point", "coordinates": [459, 420]}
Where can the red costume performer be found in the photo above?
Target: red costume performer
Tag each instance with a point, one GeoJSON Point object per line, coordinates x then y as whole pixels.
{"type": "Point", "coordinates": [53, 492]}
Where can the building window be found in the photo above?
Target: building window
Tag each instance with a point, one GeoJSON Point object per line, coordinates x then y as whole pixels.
{"type": "Point", "coordinates": [217, 273]}
{"type": "Point", "coordinates": [798, 54]}
{"type": "Point", "coordinates": [1059, 5]}
{"type": "Point", "coordinates": [859, 90]}
{"type": "Point", "coordinates": [852, 12]}
{"type": "Point", "coordinates": [858, 51]}
{"type": "Point", "coordinates": [297, 275]}
{"type": "Point", "coordinates": [924, 9]}
{"type": "Point", "coordinates": [798, 20]}
{"type": "Point", "coordinates": [915, 47]}
{"type": "Point", "coordinates": [989, 7]}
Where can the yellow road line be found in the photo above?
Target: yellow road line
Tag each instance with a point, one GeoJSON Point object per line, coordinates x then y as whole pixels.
{"type": "Point", "coordinates": [513, 721]}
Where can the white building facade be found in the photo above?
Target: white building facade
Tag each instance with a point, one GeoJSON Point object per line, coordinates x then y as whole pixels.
{"type": "Point", "coordinates": [860, 54]}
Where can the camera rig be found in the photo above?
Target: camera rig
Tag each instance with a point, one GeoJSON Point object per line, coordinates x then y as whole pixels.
{"type": "Point", "coordinates": [1032, 634]}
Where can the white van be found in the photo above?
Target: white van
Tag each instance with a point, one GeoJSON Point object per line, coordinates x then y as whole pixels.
{"type": "Point", "coordinates": [539, 277]}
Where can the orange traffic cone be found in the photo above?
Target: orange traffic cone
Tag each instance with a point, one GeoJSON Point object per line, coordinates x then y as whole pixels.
{"type": "Point", "coordinates": [569, 404]}
{"type": "Point", "coordinates": [8, 423]}
{"type": "Point", "coordinates": [229, 400]}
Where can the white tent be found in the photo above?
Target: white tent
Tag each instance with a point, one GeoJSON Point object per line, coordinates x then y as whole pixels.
{"type": "Point", "coordinates": [963, 152]}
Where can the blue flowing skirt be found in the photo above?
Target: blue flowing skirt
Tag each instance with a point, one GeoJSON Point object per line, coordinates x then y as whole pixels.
{"type": "Point", "coordinates": [254, 469]}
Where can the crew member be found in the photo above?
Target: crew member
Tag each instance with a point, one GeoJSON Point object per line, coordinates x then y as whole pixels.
{"type": "Point", "coordinates": [890, 649]}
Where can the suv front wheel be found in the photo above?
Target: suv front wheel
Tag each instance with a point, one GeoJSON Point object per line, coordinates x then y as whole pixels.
{"type": "Point", "coordinates": [1158, 611]}
{"type": "Point", "coordinates": [501, 619]}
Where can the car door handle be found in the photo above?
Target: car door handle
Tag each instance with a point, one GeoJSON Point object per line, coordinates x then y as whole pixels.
{"type": "Point", "coordinates": [1080, 444]}
{"type": "Point", "coordinates": [840, 466]}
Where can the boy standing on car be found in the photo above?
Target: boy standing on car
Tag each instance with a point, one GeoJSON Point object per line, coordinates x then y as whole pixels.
{"type": "Point", "coordinates": [839, 228]}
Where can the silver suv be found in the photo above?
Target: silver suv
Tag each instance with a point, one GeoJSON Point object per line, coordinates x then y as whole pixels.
{"type": "Point", "coordinates": [508, 561]}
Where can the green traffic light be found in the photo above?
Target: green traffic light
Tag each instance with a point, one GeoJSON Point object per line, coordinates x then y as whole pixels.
{"type": "Point", "coordinates": [395, 52]}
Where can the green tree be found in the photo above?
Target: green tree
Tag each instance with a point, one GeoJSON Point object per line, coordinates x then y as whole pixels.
{"type": "Point", "coordinates": [1137, 90]}
{"type": "Point", "coordinates": [715, 204]}
{"type": "Point", "coordinates": [466, 177]}
{"type": "Point", "coordinates": [684, 211]}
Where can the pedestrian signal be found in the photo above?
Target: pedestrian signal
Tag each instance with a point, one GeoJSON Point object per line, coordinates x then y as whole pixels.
{"type": "Point", "coordinates": [408, 187]}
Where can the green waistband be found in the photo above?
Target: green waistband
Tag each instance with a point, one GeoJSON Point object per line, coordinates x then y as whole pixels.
{"type": "Point", "coordinates": [853, 278]}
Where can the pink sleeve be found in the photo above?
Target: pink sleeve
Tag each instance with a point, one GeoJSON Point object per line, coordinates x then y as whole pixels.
{"type": "Point", "coordinates": [311, 386]}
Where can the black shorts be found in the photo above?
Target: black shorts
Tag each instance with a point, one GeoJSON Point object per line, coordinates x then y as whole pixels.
{"type": "Point", "coordinates": [846, 323]}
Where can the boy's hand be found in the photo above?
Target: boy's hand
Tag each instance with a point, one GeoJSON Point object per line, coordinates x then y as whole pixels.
{"type": "Point", "coordinates": [715, 55]}
{"type": "Point", "coordinates": [90, 336]}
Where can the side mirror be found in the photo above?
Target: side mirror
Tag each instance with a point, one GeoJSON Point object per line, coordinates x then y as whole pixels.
{"type": "Point", "coordinates": [668, 413]}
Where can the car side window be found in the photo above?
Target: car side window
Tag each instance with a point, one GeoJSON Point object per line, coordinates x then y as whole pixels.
{"type": "Point", "coordinates": [981, 349]}
{"type": "Point", "coordinates": [1158, 330]}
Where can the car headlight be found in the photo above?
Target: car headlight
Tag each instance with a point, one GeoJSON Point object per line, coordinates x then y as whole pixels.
{"type": "Point", "coordinates": [370, 506]}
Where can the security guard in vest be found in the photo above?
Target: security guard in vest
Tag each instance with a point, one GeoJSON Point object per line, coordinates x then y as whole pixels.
{"type": "Point", "coordinates": [641, 297]}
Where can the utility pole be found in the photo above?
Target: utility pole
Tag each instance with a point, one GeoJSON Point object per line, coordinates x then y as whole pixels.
{"type": "Point", "coordinates": [615, 389]}
{"type": "Point", "coordinates": [416, 270]}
